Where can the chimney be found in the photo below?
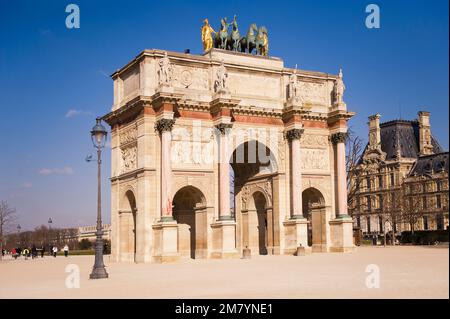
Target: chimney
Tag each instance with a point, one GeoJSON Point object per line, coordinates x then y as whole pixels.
{"type": "Point", "coordinates": [425, 146]}
{"type": "Point", "coordinates": [374, 132]}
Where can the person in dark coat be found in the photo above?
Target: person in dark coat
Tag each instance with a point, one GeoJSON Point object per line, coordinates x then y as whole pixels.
{"type": "Point", "coordinates": [33, 252]}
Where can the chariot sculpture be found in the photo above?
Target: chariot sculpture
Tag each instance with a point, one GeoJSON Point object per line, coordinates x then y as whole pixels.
{"type": "Point", "coordinates": [256, 38]}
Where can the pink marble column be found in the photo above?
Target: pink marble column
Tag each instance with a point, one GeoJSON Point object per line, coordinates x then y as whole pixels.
{"type": "Point", "coordinates": [294, 136]}
{"type": "Point", "coordinates": [339, 140]}
{"type": "Point", "coordinates": [224, 173]}
{"type": "Point", "coordinates": [164, 127]}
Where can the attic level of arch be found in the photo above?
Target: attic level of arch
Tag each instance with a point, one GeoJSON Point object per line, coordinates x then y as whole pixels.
{"type": "Point", "coordinates": [154, 105]}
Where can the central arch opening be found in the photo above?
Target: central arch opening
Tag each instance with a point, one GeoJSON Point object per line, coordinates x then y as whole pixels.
{"type": "Point", "coordinates": [253, 168]}
{"type": "Point", "coordinates": [189, 210]}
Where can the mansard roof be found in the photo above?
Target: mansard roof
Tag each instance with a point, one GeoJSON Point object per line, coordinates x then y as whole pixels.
{"type": "Point", "coordinates": [404, 135]}
{"type": "Point", "coordinates": [407, 133]}
{"type": "Point", "coordinates": [429, 164]}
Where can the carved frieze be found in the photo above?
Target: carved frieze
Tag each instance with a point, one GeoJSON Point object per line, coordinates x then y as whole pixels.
{"type": "Point", "coordinates": [314, 141]}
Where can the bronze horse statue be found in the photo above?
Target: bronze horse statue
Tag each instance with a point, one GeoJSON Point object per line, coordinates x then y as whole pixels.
{"type": "Point", "coordinates": [256, 38]}
{"type": "Point", "coordinates": [221, 37]}
{"type": "Point", "coordinates": [248, 43]}
{"type": "Point", "coordinates": [234, 40]}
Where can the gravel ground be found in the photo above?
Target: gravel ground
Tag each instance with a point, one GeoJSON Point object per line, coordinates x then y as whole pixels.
{"type": "Point", "coordinates": [404, 272]}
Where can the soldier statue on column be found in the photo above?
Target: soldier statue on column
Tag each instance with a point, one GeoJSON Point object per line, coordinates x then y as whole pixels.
{"type": "Point", "coordinates": [221, 78]}
{"type": "Point", "coordinates": [165, 70]}
{"type": "Point", "coordinates": [339, 89]}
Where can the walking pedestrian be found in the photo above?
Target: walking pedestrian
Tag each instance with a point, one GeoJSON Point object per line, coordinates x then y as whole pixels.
{"type": "Point", "coordinates": [33, 252]}
{"type": "Point", "coordinates": [42, 251]}
{"type": "Point", "coordinates": [55, 250]}
{"type": "Point", "coordinates": [66, 250]}
{"type": "Point", "coordinates": [26, 253]}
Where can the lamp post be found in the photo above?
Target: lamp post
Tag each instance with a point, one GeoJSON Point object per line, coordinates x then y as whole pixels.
{"type": "Point", "coordinates": [18, 234]}
{"type": "Point", "coordinates": [49, 229]}
{"type": "Point", "coordinates": [98, 135]}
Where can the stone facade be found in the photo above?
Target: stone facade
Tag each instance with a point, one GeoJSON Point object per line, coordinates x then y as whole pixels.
{"type": "Point", "coordinates": [390, 186]}
{"type": "Point", "coordinates": [426, 193]}
{"type": "Point", "coordinates": [212, 154]}
{"type": "Point", "coordinates": [89, 232]}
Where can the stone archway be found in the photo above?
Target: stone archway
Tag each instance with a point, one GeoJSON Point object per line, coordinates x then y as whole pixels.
{"type": "Point", "coordinates": [127, 228]}
{"type": "Point", "coordinates": [258, 223]}
{"type": "Point", "coordinates": [189, 210]}
{"type": "Point", "coordinates": [315, 212]}
{"type": "Point", "coordinates": [253, 176]}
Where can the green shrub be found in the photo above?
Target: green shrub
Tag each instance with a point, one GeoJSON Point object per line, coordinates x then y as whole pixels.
{"type": "Point", "coordinates": [424, 237]}
{"type": "Point", "coordinates": [78, 252]}
{"type": "Point", "coordinates": [85, 244]}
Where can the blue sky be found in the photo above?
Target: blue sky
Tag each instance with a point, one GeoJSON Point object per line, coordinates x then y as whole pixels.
{"type": "Point", "coordinates": [48, 70]}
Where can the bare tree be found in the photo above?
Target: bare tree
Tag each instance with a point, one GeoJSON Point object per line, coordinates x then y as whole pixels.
{"type": "Point", "coordinates": [40, 235]}
{"type": "Point", "coordinates": [353, 154]}
{"type": "Point", "coordinates": [393, 207]}
{"type": "Point", "coordinates": [413, 206]}
{"type": "Point", "coordinates": [7, 216]}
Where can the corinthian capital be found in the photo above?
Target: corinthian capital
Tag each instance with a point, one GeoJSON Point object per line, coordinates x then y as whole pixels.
{"type": "Point", "coordinates": [164, 125]}
{"type": "Point", "coordinates": [222, 127]}
{"type": "Point", "coordinates": [294, 134]}
{"type": "Point", "coordinates": [339, 137]}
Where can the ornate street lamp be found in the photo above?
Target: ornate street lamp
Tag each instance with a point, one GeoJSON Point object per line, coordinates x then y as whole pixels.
{"type": "Point", "coordinates": [98, 135]}
{"type": "Point", "coordinates": [49, 230]}
{"type": "Point", "coordinates": [18, 234]}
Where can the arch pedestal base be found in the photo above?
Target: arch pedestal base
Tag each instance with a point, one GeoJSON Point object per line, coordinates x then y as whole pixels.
{"type": "Point", "coordinates": [166, 242]}
{"type": "Point", "coordinates": [342, 235]}
{"type": "Point", "coordinates": [296, 234]}
{"type": "Point", "coordinates": [224, 239]}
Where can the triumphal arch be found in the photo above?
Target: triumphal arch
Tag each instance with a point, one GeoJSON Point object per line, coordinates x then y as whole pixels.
{"type": "Point", "coordinates": [225, 151]}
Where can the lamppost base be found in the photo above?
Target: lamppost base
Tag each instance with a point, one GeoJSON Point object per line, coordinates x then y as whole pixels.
{"type": "Point", "coordinates": [98, 273]}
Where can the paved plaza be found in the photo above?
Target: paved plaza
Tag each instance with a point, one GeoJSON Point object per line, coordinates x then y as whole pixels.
{"type": "Point", "coordinates": [405, 272]}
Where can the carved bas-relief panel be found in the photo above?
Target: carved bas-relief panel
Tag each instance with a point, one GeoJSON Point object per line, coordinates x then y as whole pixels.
{"type": "Point", "coordinates": [129, 158]}
{"type": "Point", "coordinates": [313, 93]}
{"type": "Point", "coordinates": [128, 135]}
{"type": "Point", "coordinates": [190, 78]}
{"type": "Point", "coordinates": [128, 149]}
{"type": "Point", "coordinates": [314, 152]}
{"type": "Point", "coordinates": [315, 159]}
